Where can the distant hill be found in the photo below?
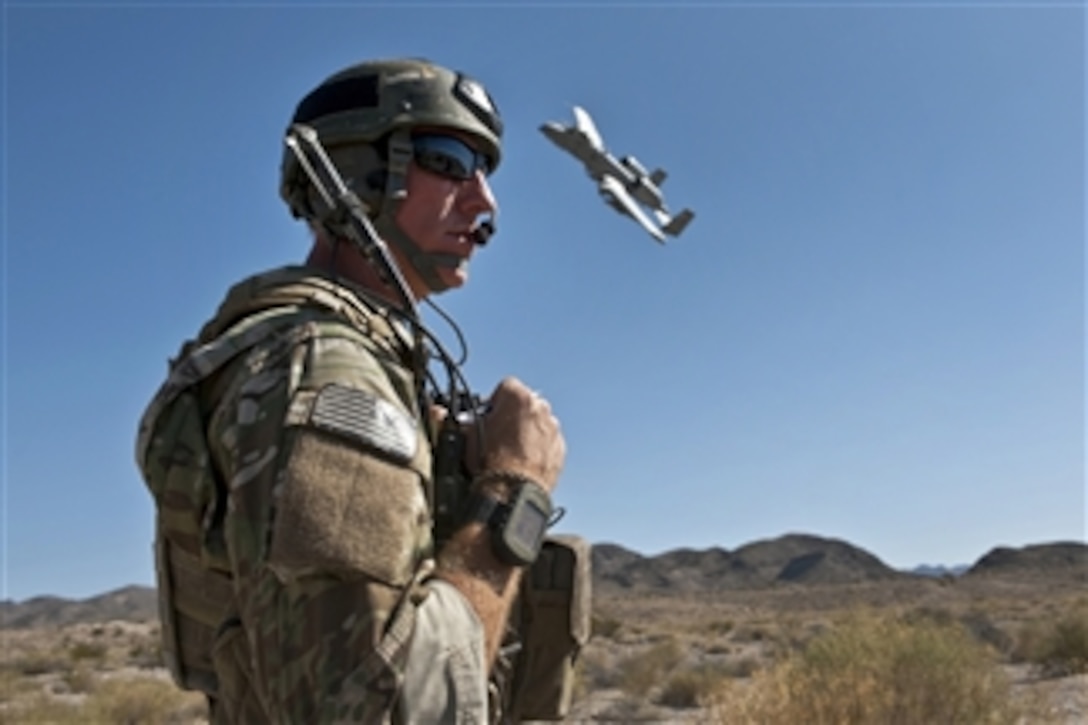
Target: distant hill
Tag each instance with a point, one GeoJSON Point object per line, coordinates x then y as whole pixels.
{"type": "Point", "coordinates": [796, 559]}
{"type": "Point", "coordinates": [793, 558]}
{"type": "Point", "coordinates": [940, 570]}
{"type": "Point", "coordinates": [133, 604]}
{"type": "Point", "coordinates": [1063, 558]}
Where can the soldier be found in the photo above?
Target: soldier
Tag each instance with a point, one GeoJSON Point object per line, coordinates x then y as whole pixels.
{"type": "Point", "coordinates": [290, 452]}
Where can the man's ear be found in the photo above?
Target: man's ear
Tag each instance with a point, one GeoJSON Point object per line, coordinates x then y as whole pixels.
{"type": "Point", "coordinates": [376, 180]}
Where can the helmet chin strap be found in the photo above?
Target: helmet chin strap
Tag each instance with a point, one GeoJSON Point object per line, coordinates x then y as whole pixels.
{"type": "Point", "coordinates": [427, 264]}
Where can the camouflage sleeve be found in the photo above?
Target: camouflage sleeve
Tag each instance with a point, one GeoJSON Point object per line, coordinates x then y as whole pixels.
{"type": "Point", "coordinates": [326, 524]}
{"type": "Point", "coordinates": [446, 676]}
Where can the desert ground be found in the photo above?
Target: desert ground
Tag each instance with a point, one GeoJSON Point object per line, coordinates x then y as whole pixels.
{"type": "Point", "coordinates": [1011, 651]}
{"type": "Point", "coordinates": [702, 659]}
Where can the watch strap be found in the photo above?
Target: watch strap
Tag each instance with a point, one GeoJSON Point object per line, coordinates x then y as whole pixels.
{"type": "Point", "coordinates": [516, 527]}
{"type": "Point", "coordinates": [508, 482]}
{"type": "Point", "coordinates": [486, 509]}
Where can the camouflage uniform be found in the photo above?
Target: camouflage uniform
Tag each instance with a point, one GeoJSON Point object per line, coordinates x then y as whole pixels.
{"type": "Point", "coordinates": [291, 465]}
{"type": "Point", "coordinates": [316, 434]}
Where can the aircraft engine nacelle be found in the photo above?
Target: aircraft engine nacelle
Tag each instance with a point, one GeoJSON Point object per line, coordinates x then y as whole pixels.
{"type": "Point", "coordinates": [611, 200]}
{"type": "Point", "coordinates": [632, 163]}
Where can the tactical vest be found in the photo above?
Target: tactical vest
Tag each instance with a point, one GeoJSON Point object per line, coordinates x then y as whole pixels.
{"type": "Point", "coordinates": [192, 571]}
{"type": "Point", "coordinates": [553, 610]}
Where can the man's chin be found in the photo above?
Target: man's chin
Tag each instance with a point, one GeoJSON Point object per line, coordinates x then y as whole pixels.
{"type": "Point", "coordinates": [455, 277]}
{"type": "Point", "coordinates": [451, 280]}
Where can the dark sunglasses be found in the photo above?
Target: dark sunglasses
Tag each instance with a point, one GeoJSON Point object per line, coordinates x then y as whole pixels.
{"type": "Point", "coordinates": [449, 156]}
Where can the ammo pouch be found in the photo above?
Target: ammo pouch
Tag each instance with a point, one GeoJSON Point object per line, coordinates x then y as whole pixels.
{"type": "Point", "coordinates": [192, 572]}
{"type": "Point", "coordinates": [552, 617]}
{"type": "Point", "coordinates": [194, 586]}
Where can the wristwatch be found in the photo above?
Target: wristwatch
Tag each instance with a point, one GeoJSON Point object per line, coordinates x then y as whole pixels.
{"type": "Point", "coordinates": [517, 527]}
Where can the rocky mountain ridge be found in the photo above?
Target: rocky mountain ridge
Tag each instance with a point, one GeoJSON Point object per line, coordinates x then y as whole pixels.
{"type": "Point", "coordinates": [132, 603]}
{"type": "Point", "coordinates": [792, 559]}
{"type": "Point", "coordinates": [940, 570]}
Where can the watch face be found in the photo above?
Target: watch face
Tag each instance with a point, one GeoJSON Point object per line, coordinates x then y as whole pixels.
{"type": "Point", "coordinates": [527, 529]}
{"type": "Point", "coordinates": [524, 528]}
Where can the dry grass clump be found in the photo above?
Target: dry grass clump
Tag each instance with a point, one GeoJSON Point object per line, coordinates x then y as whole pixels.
{"type": "Point", "coordinates": [628, 710]}
{"type": "Point", "coordinates": [43, 709]}
{"type": "Point", "coordinates": [144, 700]}
{"type": "Point", "coordinates": [80, 681]}
{"type": "Point", "coordinates": [720, 627]}
{"type": "Point", "coordinates": [138, 701]}
{"type": "Point", "coordinates": [603, 625]}
{"type": "Point", "coordinates": [81, 651]}
{"type": "Point", "coordinates": [145, 655]}
{"type": "Point", "coordinates": [692, 687]}
{"type": "Point", "coordinates": [595, 670]}
{"type": "Point", "coordinates": [1059, 646]}
{"type": "Point", "coordinates": [640, 672]}
{"type": "Point", "coordinates": [977, 622]}
{"type": "Point", "coordinates": [37, 662]}
{"type": "Point", "coordinates": [91, 673]}
{"type": "Point", "coordinates": [879, 670]}
{"type": "Point", "coordinates": [13, 686]}
{"type": "Point", "coordinates": [742, 666]}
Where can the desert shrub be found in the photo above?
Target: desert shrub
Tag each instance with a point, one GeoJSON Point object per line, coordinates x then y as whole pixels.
{"type": "Point", "coordinates": [689, 687]}
{"type": "Point", "coordinates": [80, 681]}
{"type": "Point", "coordinates": [146, 655]}
{"type": "Point", "coordinates": [594, 671]}
{"type": "Point", "coordinates": [751, 633]}
{"type": "Point", "coordinates": [1059, 647]}
{"type": "Point", "coordinates": [791, 635]}
{"type": "Point", "coordinates": [38, 663]}
{"type": "Point", "coordinates": [720, 626]}
{"type": "Point", "coordinates": [977, 622]}
{"type": "Point", "coordinates": [982, 628]}
{"type": "Point", "coordinates": [8, 680]}
{"type": "Point", "coordinates": [142, 701]}
{"type": "Point", "coordinates": [741, 667]}
{"type": "Point", "coordinates": [13, 685]}
{"type": "Point", "coordinates": [628, 710]}
{"type": "Point", "coordinates": [928, 613]}
{"type": "Point", "coordinates": [639, 672]}
{"type": "Point", "coordinates": [87, 651]}
{"type": "Point", "coordinates": [881, 671]}
{"type": "Point", "coordinates": [43, 709]}
{"type": "Point", "coordinates": [602, 625]}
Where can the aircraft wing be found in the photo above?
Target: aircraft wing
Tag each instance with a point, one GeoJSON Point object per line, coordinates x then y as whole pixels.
{"type": "Point", "coordinates": [584, 123]}
{"type": "Point", "coordinates": [612, 189]}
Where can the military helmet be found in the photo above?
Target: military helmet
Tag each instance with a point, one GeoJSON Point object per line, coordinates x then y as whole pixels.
{"type": "Point", "coordinates": [362, 104]}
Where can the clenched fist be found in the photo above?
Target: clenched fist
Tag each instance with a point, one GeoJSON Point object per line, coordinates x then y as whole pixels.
{"type": "Point", "coordinates": [521, 435]}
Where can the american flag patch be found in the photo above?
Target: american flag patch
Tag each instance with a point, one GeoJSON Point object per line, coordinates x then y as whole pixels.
{"type": "Point", "coordinates": [362, 416]}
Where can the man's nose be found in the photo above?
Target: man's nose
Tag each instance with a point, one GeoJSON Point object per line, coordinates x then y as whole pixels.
{"type": "Point", "coordinates": [477, 197]}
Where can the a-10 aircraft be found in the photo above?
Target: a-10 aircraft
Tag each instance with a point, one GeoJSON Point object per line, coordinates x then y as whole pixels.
{"type": "Point", "coordinates": [623, 182]}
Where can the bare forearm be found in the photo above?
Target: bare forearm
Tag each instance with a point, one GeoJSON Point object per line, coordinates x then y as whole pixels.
{"type": "Point", "coordinates": [468, 563]}
{"type": "Point", "coordinates": [521, 444]}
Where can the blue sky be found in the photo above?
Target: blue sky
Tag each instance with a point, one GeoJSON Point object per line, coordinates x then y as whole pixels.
{"type": "Point", "coordinates": [872, 331]}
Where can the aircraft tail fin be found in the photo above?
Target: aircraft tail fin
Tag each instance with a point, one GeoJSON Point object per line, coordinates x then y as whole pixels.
{"type": "Point", "coordinates": [658, 176]}
{"type": "Point", "coordinates": [678, 223]}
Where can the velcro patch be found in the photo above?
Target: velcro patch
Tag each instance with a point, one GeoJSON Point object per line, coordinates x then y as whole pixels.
{"type": "Point", "coordinates": [362, 416]}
